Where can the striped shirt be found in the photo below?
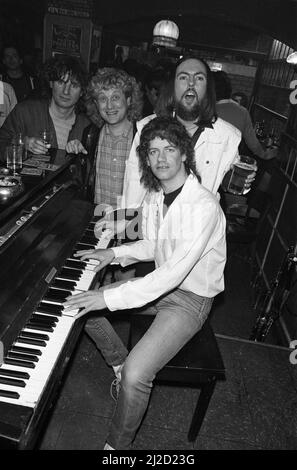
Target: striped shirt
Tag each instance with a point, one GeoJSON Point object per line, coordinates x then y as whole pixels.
{"type": "Point", "coordinates": [112, 153]}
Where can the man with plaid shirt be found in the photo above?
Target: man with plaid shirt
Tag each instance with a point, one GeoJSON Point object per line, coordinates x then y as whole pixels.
{"type": "Point", "coordinates": [118, 99]}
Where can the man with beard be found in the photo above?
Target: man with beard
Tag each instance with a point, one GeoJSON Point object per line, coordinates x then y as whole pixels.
{"type": "Point", "coordinates": [192, 101]}
{"type": "Point", "coordinates": [189, 256]}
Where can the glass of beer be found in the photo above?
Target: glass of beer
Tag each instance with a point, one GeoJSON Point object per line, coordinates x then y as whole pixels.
{"type": "Point", "coordinates": [45, 136]}
{"type": "Point", "coordinates": [241, 170]}
{"type": "Point", "coordinates": [14, 157]}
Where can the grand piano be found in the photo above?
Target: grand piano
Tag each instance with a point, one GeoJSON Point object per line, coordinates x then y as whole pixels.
{"type": "Point", "coordinates": [39, 232]}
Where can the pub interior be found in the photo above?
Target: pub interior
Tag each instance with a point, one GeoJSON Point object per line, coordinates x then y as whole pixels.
{"type": "Point", "coordinates": [254, 321]}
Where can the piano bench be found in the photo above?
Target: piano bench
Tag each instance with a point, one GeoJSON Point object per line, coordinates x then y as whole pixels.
{"type": "Point", "coordinates": [198, 364]}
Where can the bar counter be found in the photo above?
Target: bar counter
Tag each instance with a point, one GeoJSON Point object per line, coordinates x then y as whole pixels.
{"type": "Point", "coordinates": [68, 166]}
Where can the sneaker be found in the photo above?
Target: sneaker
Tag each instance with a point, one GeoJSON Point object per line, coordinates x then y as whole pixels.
{"type": "Point", "coordinates": [115, 389]}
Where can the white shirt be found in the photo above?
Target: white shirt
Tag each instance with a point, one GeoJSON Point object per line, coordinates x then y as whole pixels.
{"type": "Point", "coordinates": [215, 151]}
{"type": "Point", "coordinates": [188, 246]}
{"type": "Point", "coordinates": [8, 100]}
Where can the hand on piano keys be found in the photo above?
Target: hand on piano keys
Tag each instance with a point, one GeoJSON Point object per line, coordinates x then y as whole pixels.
{"type": "Point", "coordinates": [104, 257]}
{"type": "Point", "coordinates": [87, 301]}
{"type": "Point", "coordinates": [112, 227]}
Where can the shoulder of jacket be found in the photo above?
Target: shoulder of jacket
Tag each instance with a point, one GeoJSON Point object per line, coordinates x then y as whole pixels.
{"type": "Point", "coordinates": [140, 124]}
{"type": "Point", "coordinates": [225, 128]}
{"type": "Point", "coordinates": [31, 105]}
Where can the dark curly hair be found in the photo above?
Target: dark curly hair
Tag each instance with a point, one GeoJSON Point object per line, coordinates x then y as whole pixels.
{"type": "Point", "coordinates": [172, 130]}
{"type": "Point", "coordinates": [56, 68]}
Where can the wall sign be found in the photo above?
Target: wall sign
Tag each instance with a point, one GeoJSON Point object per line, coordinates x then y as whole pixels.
{"type": "Point", "coordinates": [66, 38]}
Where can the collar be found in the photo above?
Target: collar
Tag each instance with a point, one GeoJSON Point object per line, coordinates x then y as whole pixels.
{"type": "Point", "coordinates": [205, 124]}
{"type": "Point", "coordinates": [125, 132]}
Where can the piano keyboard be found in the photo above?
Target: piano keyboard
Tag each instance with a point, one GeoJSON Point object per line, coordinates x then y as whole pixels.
{"type": "Point", "coordinates": [30, 360]}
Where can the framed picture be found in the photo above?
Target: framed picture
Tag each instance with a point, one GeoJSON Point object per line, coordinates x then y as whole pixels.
{"type": "Point", "coordinates": [67, 35]}
{"type": "Point", "coordinates": [66, 38]}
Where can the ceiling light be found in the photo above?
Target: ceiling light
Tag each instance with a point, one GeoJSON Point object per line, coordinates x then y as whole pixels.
{"type": "Point", "coordinates": [165, 33]}
{"type": "Point", "coordinates": [292, 58]}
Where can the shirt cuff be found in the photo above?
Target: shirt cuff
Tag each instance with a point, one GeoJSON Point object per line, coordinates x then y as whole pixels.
{"type": "Point", "coordinates": [114, 300]}
{"type": "Point", "coordinates": [120, 251]}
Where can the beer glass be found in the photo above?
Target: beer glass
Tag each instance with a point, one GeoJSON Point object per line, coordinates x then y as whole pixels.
{"type": "Point", "coordinates": [14, 157]}
{"type": "Point", "coordinates": [45, 136]}
{"type": "Point", "coordinates": [241, 170]}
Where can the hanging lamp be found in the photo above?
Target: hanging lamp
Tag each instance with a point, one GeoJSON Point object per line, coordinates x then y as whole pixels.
{"type": "Point", "coordinates": [292, 58]}
{"type": "Point", "coordinates": [165, 33]}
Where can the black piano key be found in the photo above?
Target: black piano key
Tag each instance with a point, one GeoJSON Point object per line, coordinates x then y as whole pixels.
{"type": "Point", "coordinates": [62, 284]}
{"type": "Point", "coordinates": [88, 240]}
{"type": "Point", "coordinates": [9, 394]}
{"type": "Point", "coordinates": [14, 373]}
{"type": "Point", "coordinates": [32, 335]}
{"type": "Point", "coordinates": [25, 350]}
{"type": "Point", "coordinates": [56, 295]}
{"type": "Point", "coordinates": [33, 342]}
{"type": "Point", "coordinates": [49, 309]}
{"type": "Point", "coordinates": [24, 357]}
{"type": "Point", "coordinates": [82, 246]}
{"type": "Point", "coordinates": [89, 232]}
{"type": "Point", "coordinates": [44, 319]}
{"type": "Point", "coordinates": [71, 274]}
{"type": "Point", "coordinates": [69, 263]}
{"type": "Point", "coordinates": [13, 382]}
{"type": "Point", "coordinates": [33, 325]}
{"type": "Point", "coordinates": [78, 260]}
{"type": "Point", "coordinates": [18, 363]}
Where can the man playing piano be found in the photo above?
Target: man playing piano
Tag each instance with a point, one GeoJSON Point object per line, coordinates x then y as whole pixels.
{"type": "Point", "coordinates": [184, 233]}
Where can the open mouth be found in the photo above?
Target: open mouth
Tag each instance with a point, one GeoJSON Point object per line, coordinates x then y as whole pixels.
{"type": "Point", "coordinates": [190, 96]}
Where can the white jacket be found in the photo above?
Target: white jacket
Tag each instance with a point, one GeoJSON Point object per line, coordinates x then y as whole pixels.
{"type": "Point", "coordinates": [7, 100]}
{"type": "Point", "coordinates": [188, 246]}
{"type": "Point", "coordinates": [215, 150]}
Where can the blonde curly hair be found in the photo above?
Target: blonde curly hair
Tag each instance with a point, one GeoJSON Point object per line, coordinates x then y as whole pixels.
{"type": "Point", "coordinates": [109, 77]}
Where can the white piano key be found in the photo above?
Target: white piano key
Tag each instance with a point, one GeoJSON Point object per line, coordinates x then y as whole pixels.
{"type": "Point", "coordinates": [39, 376]}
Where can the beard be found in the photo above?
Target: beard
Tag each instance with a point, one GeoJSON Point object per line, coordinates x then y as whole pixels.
{"type": "Point", "coordinates": [188, 114]}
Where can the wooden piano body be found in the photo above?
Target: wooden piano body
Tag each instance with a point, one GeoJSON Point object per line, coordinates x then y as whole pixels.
{"type": "Point", "coordinates": [38, 232]}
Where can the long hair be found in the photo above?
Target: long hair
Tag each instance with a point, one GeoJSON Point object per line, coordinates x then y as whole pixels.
{"type": "Point", "coordinates": [109, 77]}
{"type": "Point", "coordinates": [165, 103]}
{"type": "Point", "coordinates": [208, 104]}
{"type": "Point", "coordinates": [172, 130]}
{"type": "Point", "coordinates": [59, 66]}
{"type": "Point", "coordinates": [222, 85]}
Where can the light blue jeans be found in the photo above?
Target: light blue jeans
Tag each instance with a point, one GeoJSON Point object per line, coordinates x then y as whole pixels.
{"type": "Point", "coordinates": [178, 316]}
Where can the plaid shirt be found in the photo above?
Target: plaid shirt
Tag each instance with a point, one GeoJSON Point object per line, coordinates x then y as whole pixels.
{"type": "Point", "coordinates": [112, 153]}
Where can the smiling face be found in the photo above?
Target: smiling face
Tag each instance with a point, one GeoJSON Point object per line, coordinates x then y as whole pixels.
{"type": "Point", "coordinates": [190, 88]}
{"type": "Point", "coordinates": [167, 163]}
{"type": "Point", "coordinates": [65, 92]}
{"type": "Point", "coordinates": [113, 105]}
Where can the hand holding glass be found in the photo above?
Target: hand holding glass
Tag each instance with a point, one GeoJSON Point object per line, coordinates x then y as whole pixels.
{"type": "Point", "coordinates": [45, 136]}
{"type": "Point", "coordinates": [240, 172]}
